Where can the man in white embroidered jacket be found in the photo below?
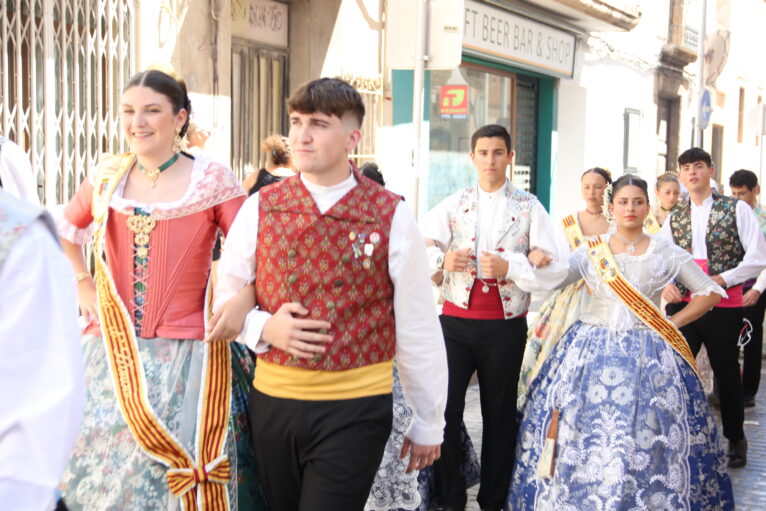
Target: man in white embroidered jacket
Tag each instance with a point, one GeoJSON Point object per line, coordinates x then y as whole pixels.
{"type": "Point", "coordinates": [485, 239]}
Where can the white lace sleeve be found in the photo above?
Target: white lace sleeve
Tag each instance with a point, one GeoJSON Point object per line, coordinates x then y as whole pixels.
{"type": "Point", "coordinates": [577, 260]}
{"type": "Point", "coordinates": [67, 230]}
{"type": "Point", "coordinates": [694, 279]}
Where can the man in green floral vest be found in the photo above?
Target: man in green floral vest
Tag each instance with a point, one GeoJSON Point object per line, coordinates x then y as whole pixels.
{"type": "Point", "coordinates": [723, 237]}
{"type": "Point", "coordinates": [744, 186]}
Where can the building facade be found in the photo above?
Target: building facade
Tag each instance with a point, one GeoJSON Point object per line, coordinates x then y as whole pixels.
{"type": "Point", "coordinates": [578, 83]}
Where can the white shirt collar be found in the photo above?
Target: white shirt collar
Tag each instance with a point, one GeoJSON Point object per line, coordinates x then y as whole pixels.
{"type": "Point", "coordinates": [705, 203]}
{"type": "Point", "coordinates": [496, 193]}
{"type": "Point", "coordinates": [315, 189]}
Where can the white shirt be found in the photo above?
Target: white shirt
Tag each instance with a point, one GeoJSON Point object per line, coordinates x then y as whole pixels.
{"type": "Point", "coordinates": [492, 207]}
{"type": "Point", "coordinates": [16, 173]}
{"type": "Point", "coordinates": [41, 376]}
{"type": "Point", "coordinates": [420, 351]}
{"type": "Point", "coordinates": [760, 282]}
{"type": "Point", "coordinates": [749, 235]}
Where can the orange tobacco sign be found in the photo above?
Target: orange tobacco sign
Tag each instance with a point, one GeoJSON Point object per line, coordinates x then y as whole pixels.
{"type": "Point", "coordinates": [453, 100]}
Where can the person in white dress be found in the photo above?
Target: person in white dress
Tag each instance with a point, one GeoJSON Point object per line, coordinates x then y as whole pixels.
{"type": "Point", "coordinates": [616, 418]}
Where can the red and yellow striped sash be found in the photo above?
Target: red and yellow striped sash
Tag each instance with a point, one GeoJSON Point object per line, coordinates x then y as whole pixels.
{"type": "Point", "coordinates": [198, 485]}
{"type": "Point", "coordinates": [606, 266]}
{"type": "Point", "coordinates": [574, 234]}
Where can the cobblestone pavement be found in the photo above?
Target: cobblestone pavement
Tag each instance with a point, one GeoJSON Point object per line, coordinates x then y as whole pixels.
{"type": "Point", "coordinates": [749, 482]}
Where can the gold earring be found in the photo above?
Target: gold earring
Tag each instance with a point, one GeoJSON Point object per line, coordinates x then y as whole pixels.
{"type": "Point", "coordinates": [177, 141]}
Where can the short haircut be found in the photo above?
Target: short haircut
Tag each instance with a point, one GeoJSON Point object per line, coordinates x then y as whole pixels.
{"type": "Point", "coordinates": [330, 96]}
{"type": "Point", "coordinates": [629, 180]}
{"type": "Point", "coordinates": [693, 155]}
{"type": "Point", "coordinates": [743, 177]}
{"type": "Point", "coordinates": [491, 131]}
{"type": "Point", "coordinates": [666, 178]}
{"type": "Point", "coordinates": [601, 172]}
{"type": "Point", "coordinates": [370, 169]}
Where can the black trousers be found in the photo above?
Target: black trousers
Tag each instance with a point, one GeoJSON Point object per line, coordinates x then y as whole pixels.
{"type": "Point", "coordinates": [751, 367]}
{"type": "Point", "coordinates": [719, 330]}
{"type": "Point", "coordinates": [494, 349]}
{"type": "Point", "coordinates": [318, 455]}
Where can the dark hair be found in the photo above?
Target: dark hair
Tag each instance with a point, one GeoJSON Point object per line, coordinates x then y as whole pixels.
{"type": "Point", "coordinates": [370, 170]}
{"type": "Point", "coordinates": [601, 172]}
{"type": "Point", "coordinates": [491, 131]}
{"type": "Point", "coordinates": [628, 180]}
{"type": "Point", "coordinates": [666, 178]}
{"type": "Point", "coordinates": [276, 149]}
{"type": "Point", "coordinates": [695, 154]}
{"type": "Point", "coordinates": [170, 87]}
{"type": "Point", "coordinates": [330, 96]}
{"type": "Point", "coordinates": [743, 177]}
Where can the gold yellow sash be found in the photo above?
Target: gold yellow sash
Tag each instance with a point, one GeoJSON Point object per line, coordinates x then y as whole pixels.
{"type": "Point", "coordinates": [574, 234]}
{"type": "Point", "coordinates": [200, 485]}
{"type": "Point", "coordinates": [603, 261]}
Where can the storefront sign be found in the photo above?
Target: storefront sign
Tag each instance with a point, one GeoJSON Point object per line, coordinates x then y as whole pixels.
{"type": "Point", "coordinates": [453, 101]}
{"type": "Point", "coordinates": [263, 21]}
{"type": "Point", "coordinates": [504, 36]}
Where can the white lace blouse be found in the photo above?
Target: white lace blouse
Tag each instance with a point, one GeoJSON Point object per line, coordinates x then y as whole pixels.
{"type": "Point", "coordinates": [662, 263]}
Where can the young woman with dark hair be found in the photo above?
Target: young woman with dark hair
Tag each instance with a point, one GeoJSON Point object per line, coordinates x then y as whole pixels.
{"type": "Point", "coordinates": [617, 418]}
{"type": "Point", "coordinates": [165, 422]}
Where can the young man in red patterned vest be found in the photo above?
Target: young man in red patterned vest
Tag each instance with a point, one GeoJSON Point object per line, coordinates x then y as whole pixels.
{"type": "Point", "coordinates": [341, 283]}
{"type": "Point", "coordinates": [723, 237]}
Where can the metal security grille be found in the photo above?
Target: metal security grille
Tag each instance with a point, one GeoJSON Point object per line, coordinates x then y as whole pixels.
{"type": "Point", "coordinates": [525, 145]}
{"type": "Point", "coordinates": [62, 68]}
{"type": "Point", "coordinates": [259, 91]}
{"type": "Point", "coordinates": [371, 90]}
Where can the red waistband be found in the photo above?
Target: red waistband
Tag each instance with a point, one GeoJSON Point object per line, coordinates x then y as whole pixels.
{"type": "Point", "coordinates": [734, 292]}
{"type": "Point", "coordinates": [480, 305]}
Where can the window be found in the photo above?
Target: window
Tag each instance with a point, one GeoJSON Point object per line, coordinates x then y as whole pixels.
{"type": "Point", "coordinates": [259, 91]}
{"type": "Point", "coordinates": [371, 90]}
{"type": "Point", "coordinates": [62, 70]}
{"type": "Point", "coordinates": [461, 101]}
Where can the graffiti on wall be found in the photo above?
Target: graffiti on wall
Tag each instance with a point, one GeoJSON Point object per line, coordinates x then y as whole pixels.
{"type": "Point", "coordinates": [260, 20]}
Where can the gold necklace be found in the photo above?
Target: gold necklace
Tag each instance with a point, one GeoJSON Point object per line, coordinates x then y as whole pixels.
{"type": "Point", "coordinates": [153, 174]}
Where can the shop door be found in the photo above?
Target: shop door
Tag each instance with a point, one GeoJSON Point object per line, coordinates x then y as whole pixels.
{"type": "Point", "coordinates": [465, 99]}
{"type": "Point", "coordinates": [525, 132]}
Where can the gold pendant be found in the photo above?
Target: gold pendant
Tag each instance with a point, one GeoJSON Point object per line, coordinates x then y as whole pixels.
{"type": "Point", "coordinates": [152, 175]}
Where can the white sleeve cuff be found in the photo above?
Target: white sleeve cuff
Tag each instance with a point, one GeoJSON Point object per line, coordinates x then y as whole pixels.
{"type": "Point", "coordinates": [760, 282]}
{"type": "Point", "coordinates": [434, 253]}
{"type": "Point", "coordinates": [68, 230]}
{"type": "Point", "coordinates": [423, 433]}
{"type": "Point", "coordinates": [518, 266]}
{"type": "Point", "coordinates": [252, 329]}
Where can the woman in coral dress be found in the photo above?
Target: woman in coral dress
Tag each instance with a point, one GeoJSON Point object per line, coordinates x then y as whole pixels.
{"type": "Point", "coordinates": [165, 419]}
